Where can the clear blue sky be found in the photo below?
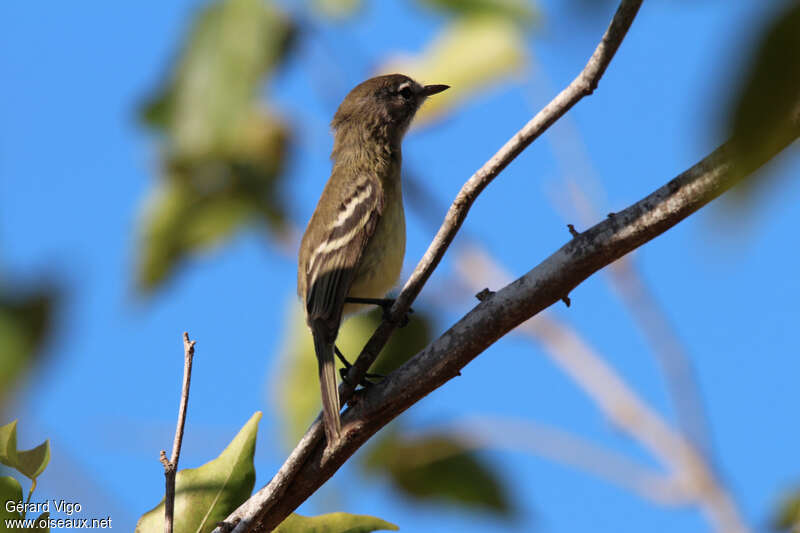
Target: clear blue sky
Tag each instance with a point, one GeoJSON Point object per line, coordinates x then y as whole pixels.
{"type": "Point", "coordinates": [75, 168]}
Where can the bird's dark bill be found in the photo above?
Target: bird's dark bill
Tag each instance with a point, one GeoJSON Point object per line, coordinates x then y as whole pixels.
{"type": "Point", "coordinates": [433, 89]}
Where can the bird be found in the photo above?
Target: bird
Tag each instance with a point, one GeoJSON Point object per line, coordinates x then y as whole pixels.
{"type": "Point", "coordinates": [352, 251]}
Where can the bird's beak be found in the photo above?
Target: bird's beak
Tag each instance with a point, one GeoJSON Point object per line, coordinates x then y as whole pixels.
{"type": "Point", "coordinates": [428, 90]}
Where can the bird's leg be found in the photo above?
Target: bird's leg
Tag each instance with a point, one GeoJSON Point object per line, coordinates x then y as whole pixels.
{"type": "Point", "coordinates": [343, 371]}
{"type": "Point", "coordinates": [384, 303]}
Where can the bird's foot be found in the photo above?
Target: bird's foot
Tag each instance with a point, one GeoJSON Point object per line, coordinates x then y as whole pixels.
{"type": "Point", "coordinates": [347, 365]}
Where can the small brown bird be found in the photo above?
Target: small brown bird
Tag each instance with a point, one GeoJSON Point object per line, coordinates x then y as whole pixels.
{"type": "Point", "coordinates": [352, 250]}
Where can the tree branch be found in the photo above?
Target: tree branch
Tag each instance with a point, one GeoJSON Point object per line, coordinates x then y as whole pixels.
{"type": "Point", "coordinates": [171, 466]}
{"type": "Point", "coordinates": [584, 84]}
{"type": "Point", "coordinates": [255, 509]}
{"type": "Point", "coordinates": [500, 312]}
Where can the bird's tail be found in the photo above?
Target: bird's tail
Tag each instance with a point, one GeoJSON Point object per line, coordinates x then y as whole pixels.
{"type": "Point", "coordinates": [327, 381]}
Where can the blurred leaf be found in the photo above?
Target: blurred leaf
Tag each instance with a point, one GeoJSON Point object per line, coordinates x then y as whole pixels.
{"type": "Point", "coordinates": [337, 8]}
{"type": "Point", "coordinates": [298, 375]}
{"type": "Point", "coordinates": [231, 46]}
{"type": "Point", "coordinates": [520, 11]}
{"type": "Point", "coordinates": [438, 467]}
{"type": "Point", "coordinates": [403, 345]}
{"type": "Point", "coordinates": [788, 513]}
{"type": "Point", "coordinates": [223, 152]}
{"type": "Point", "coordinates": [470, 54]}
{"type": "Point", "coordinates": [767, 107]}
{"type": "Point", "coordinates": [333, 523]}
{"type": "Point", "coordinates": [25, 319]}
{"type": "Point", "coordinates": [202, 201]}
{"type": "Point", "coordinates": [208, 494]}
{"type": "Point", "coordinates": [10, 491]}
{"type": "Point", "coordinates": [31, 462]}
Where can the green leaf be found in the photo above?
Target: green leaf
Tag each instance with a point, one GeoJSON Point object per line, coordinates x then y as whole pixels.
{"type": "Point", "coordinates": [521, 11]}
{"type": "Point", "coordinates": [787, 515]}
{"type": "Point", "coordinates": [767, 106]}
{"type": "Point", "coordinates": [25, 319]}
{"type": "Point", "coordinates": [8, 444]}
{"type": "Point", "coordinates": [298, 374]}
{"type": "Point", "coordinates": [333, 523]}
{"type": "Point", "coordinates": [470, 54]}
{"type": "Point", "coordinates": [10, 491]}
{"type": "Point", "coordinates": [438, 467]}
{"type": "Point", "coordinates": [208, 494]}
{"type": "Point", "coordinates": [31, 462]}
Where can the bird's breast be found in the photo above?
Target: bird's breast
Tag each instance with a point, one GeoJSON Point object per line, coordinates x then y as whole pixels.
{"type": "Point", "coordinates": [382, 259]}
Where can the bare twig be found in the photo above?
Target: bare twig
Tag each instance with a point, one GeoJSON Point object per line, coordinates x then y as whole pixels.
{"type": "Point", "coordinates": [171, 466]}
{"type": "Point", "coordinates": [584, 84]}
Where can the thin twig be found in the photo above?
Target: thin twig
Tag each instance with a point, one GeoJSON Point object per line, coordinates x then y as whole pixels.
{"type": "Point", "coordinates": [171, 466]}
{"type": "Point", "coordinates": [583, 85]}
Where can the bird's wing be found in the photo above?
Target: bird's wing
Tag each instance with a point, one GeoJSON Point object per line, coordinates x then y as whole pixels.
{"type": "Point", "coordinates": [336, 252]}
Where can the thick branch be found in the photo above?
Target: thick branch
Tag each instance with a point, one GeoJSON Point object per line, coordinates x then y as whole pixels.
{"type": "Point", "coordinates": [502, 311]}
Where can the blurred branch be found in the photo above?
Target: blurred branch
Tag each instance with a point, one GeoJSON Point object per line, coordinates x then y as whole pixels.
{"type": "Point", "coordinates": [693, 476]}
{"type": "Point", "coordinates": [269, 506]}
{"type": "Point", "coordinates": [627, 282]}
{"type": "Point", "coordinates": [171, 466]}
{"type": "Point", "coordinates": [560, 446]}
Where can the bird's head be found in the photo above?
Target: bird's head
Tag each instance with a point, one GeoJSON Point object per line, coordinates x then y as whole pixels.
{"type": "Point", "coordinates": [384, 104]}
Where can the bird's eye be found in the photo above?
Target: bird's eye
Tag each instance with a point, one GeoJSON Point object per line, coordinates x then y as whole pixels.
{"type": "Point", "coordinates": [406, 92]}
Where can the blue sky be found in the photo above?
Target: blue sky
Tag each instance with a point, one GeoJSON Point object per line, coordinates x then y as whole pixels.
{"type": "Point", "coordinates": [75, 168]}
